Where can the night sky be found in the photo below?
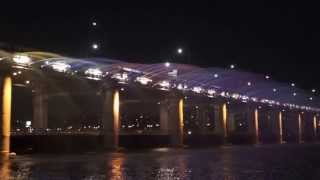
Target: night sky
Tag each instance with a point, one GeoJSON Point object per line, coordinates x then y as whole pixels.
{"type": "Point", "coordinates": [278, 39]}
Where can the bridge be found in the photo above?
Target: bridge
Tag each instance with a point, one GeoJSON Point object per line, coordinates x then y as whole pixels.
{"type": "Point", "coordinates": [178, 100]}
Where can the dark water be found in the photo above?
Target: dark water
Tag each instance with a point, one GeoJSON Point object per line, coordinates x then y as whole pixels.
{"type": "Point", "coordinates": [226, 162]}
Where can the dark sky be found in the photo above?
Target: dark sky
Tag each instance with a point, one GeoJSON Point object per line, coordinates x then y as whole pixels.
{"type": "Point", "coordinates": [280, 39]}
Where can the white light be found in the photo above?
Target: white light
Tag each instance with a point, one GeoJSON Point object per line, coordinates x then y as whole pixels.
{"type": "Point", "coordinates": [310, 98]}
{"type": "Point", "coordinates": [267, 77]}
{"type": "Point", "coordinates": [94, 23]}
{"type": "Point", "coordinates": [232, 66]}
{"type": "Point", "coordinates": [143, 80]}
{"type": "Point", "coordinates": [292, 84]}
{"type": "Point", "coordinates": [14, 73]}
{"type": "Point", "coordinates": [313, 90]}
{"type": "Point", "coordinates": [164, 84]}
{"type": "Point", "coordinates": [95, 46]}
{"type": "Point", "coordinates": [21, 59]}
{"type": "Point", "coordinates": [19, 72]}
{"type": "Point", "coordinates": [249, 83]}
{"type": "Point", "coordinates": [27, 82]}
{"type": "Point", "coordinates": [294, 94]}
{"type": "Point", "coordinates": [28, 124]}
{"type": "Point", "coordinates": [93, 72]}
{"type": "Point", "coordinates": [189, 132]}
{"type": "Point", "coordinates": [167, 64]}
{"type": "Point", "coordinates": [182, 87]}
{"type": "Point", "coordinates": [122, 77]}
{"type": "Point", "coordinates": [274, 90]}
{"type": "Point", "coordinates": [211, 92]}
{"type": "Point", "coordinates": [197, 89]}
{"type": "Point", "coordinates": [216, 75]}
{"type": "Point", "coordinates": [60, 66]}
{"type": "Point", "coordinates": [180, 51]}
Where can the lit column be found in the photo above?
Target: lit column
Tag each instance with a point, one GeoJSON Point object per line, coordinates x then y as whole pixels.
{"type": "Point", "coordinates": [253, 122]}
{"type": "Point", "coordinates": [175, 118]}
{"type": "Point", "coordinates": [256, 125]}
{"type": "Point", "coordinates": [40, 108]}
{"type": "Point", "coordinates": [315, 127]}
{"type": "Point", "coordinates": [111, 119]}
{"type": "Point", "coordinates": [6, 114]}
{"type": "Point", "coordinates": [280, 125]}
{"type": "Point", "coordinates": [299, 128]}
{"type": "Point", "coordinates": [221, 117]}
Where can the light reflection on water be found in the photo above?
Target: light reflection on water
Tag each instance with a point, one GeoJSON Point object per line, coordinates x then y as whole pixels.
{"type": "Point", "coordinates": [227, 162]}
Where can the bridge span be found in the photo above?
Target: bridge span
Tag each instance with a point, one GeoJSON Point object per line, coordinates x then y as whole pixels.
{"type": "Point", "coordinates": [175, 100]}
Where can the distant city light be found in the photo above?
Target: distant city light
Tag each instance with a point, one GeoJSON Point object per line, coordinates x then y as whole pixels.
{"type": "Point", "coordinates": [232, 66]}
{"type": "Point", "coordinates": [310, 98]}
{"type": "Point", "coordinates": [94, 23]}
{"type": "Point", "coordinates": [28, 124]}
{"type": "Point", "coordinates": [216, 75]}
{"type": "Point", "coordinates": [180, 50]}
{"type": "Point", "coordinates": [249, 83]}
{"type": "Point", "coordinates": [167, 64]}
{"type": "Point", "coordinates": [294, 94]}
{"type": "Point", "coordinates": [274, 90]}
{"type": "Point", "coordinates": [313, 90]}
{"type": "Point", "coordinates": [293, 85]}
{"type": "Point", "coordinates": [189, 132]}
{"type": "Point", "coordinates": [267, 77]}
{"type": "Point", "coordinates": [95, 46]}
{"type": "Point", "coordinates": [27, 82]}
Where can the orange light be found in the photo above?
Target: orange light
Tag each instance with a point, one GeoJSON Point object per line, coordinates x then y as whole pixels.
{"type": "Point", "coordinates": [224, 119]}
{"type": "Point", "coordinates": [280, 128]}
{"type": "Point", "coordinates": [256, 124]}
{"type": "Point", "coordinates": [116, 120]}
{"type": "Point", "coordinates": [181, 116]}
{"type": "Point", "coordinates": [6, 114]}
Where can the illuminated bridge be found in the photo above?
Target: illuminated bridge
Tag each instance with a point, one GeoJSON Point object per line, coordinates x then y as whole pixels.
{"type": "Point", "coordinates": [175, 100]}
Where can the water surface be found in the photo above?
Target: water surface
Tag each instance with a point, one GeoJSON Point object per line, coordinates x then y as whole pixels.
{"type": "Point", "coordinates": [225, 162]}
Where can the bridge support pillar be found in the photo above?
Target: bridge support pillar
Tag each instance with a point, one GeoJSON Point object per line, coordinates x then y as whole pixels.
{"type": "Point", "coordinates": [40, 108]}
{"type": "Point", "coordinates": [314, 124]}
{"type": "Point", "coordinates": [6, 115]}
{"type": "Point", "coordinates": [253, 123]}
{"type": "Point", "coordinates": [171, 120]}
{"type": "Point", "coordinates": [221, 119]}
{"type": "Point", "coordinates": [279, 127]}
{"type": "Point", "coordinates": [111, 119]}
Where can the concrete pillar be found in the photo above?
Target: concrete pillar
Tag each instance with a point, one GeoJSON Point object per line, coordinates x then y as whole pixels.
{"type": "Point", "coordinates": [221, 119]}
{"type": "Point", "coordinates": [292, 124]}
{"type": "Point", "coordinates": [171, 116]}
{"type": "Point", "coordinates": [314, 124]}
{"type": "Point", "coordinates": [253, 122]}
{"type": "Point", "coordinates": [164, 118]}
{"type": "Point", "coordinates": [6, 115]}
{"type": "Point", "coordinates": [111, 119]}
{"type": "Point", "coordinates": [40, 108]}
{"type": "Point", "coordinates": [280, 128]}
{"type": "Point", "coordinates": [300, 128]}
